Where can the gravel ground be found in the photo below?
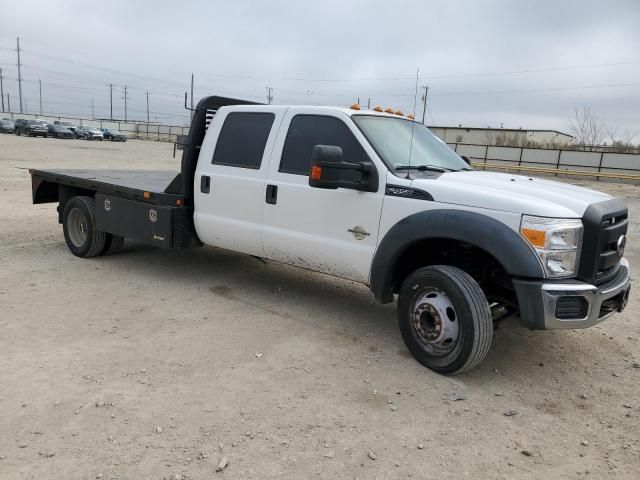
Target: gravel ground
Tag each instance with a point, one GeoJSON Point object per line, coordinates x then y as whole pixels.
{"type": "Point", "coordinates": [159, 364]}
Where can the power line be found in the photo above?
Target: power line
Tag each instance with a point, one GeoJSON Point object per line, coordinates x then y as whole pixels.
{"type": "Point", "coordinates": [533, 70]}
{"type": "Point", "coordinates": [532, 90]}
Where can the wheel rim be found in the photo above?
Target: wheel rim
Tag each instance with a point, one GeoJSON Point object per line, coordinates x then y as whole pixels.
{"type": "Point", "coordinates": [77, 227]}
{"type": "Point", "coordinates": [435, 322]}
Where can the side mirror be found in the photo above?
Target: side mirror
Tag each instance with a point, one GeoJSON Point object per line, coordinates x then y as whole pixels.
{"type": "Point", "coordinates": [328, 170]}
{"type": "Point", "coordinates": [466, 159]}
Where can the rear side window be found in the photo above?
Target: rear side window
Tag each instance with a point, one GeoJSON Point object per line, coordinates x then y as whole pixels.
{"type": "Point", "coordinates": [307, 131]}
{"type": "Point", "coordinates": [242, 139]}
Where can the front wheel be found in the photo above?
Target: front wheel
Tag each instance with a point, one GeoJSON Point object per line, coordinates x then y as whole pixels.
{"type": "Point", "coordinates": [445, 319]}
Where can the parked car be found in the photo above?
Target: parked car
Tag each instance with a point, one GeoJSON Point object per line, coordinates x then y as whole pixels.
{"type": "Point", "coordinates": [89, 133]}
{"type": "Point", "coordinates": [113, 135]}
{"type": "Point", "coordinates": [7, 126]}
{"type": "Point", "coordinates": [69, 125]}
{"type": "Point", "coordinates": [60, 131]}
{"type": "Point", "coordinates": [32, 128]}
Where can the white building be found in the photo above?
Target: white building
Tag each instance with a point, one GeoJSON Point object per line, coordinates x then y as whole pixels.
{"type": "Point", "coordinates": [493, 136]}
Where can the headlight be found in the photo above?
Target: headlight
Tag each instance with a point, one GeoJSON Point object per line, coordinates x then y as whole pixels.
{"type": "Point", "coordinates": [557, 242]}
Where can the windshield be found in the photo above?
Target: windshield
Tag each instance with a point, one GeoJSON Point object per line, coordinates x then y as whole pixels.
{"type": "Point", "coordinates": [391, 138]}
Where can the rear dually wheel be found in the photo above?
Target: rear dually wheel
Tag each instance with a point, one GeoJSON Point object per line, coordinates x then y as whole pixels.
{"type": "Point", "coordinates": [79, 226]}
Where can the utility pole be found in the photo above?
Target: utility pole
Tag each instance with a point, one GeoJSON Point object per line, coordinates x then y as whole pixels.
{"type": "Point", "coordinates": [111, 101]}
{"type": "Point", "coordinates": [40, 87]}
{"type": "Point", "coordinates": [191, 96]}
{"type": "Point", "coordinates": [19, 73]}
{"type": "Point", "coordinates": [147, 108]}
{"type": "Point", "coordinates": [8, 104]}
{"type": "Point", "coordinates": [269, 95]}
{"type": "Point", "coordinates": [93, 116]}
{"type": "Point", "coordinates": [125, 104]}
{"type": "Point", "coordinates": [1, 90]}
{"type": "Point", "coordinates": [424, 102]}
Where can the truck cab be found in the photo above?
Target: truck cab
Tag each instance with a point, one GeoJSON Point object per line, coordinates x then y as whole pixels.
{"type": "Point", "coordinates": [376, 198]}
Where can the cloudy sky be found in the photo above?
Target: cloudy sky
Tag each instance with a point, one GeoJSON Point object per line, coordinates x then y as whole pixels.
{"type": "Point", "coordinates": [517, 63]}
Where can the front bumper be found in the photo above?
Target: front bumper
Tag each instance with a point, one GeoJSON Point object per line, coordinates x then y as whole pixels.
{"type": "Point", "coordinates": [540, 301]}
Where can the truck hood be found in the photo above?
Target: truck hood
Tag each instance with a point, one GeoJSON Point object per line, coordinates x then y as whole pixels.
{"type": "Point", "coordinates": [511, 193]}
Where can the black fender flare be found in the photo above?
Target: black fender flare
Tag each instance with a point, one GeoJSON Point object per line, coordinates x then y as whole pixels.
{"type": "Point", "coordinates": [505, 245]}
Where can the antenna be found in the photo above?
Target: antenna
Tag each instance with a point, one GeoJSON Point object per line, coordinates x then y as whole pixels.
{"type": "Point", "coordinates": [413, 120]}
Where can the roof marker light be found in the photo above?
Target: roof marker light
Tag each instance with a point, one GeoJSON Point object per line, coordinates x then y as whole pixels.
{"type": "Point", "coordinates": [389, 110]}
{"type": "Point", "coordinates": [355, 106]}
{"type": "Point", "coordinates": [411, 117]}
{"type": "Point", "coordinates": [377, 109]}
{"type": "Point", "coordinates": [399, 112]}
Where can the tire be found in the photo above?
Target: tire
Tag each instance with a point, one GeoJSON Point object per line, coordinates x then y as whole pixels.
{"type": "Point", "coordinates": [445, 319]}
{"type": "Point", "coordinates": [79, 226]}
{"type": "Point", "coordinates": [113, 244]}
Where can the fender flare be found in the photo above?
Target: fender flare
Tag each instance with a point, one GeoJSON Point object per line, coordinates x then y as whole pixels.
{"type": "Point", "coordinates": [505, 245]}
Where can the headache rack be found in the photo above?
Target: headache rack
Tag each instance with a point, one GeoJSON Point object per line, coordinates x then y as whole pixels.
{"type": "Point", "coordinates": [190, 144]}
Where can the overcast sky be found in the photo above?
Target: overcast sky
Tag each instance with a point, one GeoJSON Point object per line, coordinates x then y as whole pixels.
{"type": "Point", "coordinates": [518, 63]}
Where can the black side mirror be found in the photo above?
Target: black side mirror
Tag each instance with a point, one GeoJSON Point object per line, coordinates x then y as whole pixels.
{"type": "Point", "coordinates": [328, 170]}
{"type": "Point", "coordinates": [466, 159]}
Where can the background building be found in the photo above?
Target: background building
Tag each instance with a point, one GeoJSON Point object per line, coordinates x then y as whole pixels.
{"type": "Point", "coordinates": [500, 136]}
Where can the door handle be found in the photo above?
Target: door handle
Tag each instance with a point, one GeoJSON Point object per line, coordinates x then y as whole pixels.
{"type": "Point", "coordinates": [272, 194]}
{"type": "Point", "coordinates": [205, 184]}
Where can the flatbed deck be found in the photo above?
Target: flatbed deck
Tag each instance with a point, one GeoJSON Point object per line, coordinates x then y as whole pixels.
{"type": "Point", "coordinates": [148, 185]}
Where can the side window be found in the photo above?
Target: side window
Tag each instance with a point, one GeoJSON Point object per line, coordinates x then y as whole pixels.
{"type": "Point", "coordinates": [307, 131]}
{"type": "Point", "coordinates": [242, 139]}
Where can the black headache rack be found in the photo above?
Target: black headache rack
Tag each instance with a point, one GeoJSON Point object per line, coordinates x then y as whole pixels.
{"type": "Point", "coordinates": [150, 206]}
{"type": "Point", "coordinates": [202, 116]}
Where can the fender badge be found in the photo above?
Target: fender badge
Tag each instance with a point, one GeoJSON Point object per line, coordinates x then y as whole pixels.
{"type": "Point", "coordinates": [107, 204]}
{"type": "Point", "coordinates": [153, 215]}
{"type": "Point", "coordinates": [358, 232]}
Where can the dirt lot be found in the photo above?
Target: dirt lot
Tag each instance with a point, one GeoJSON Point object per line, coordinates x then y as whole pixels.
{"type": "Point", "coordinates": [155, 364]}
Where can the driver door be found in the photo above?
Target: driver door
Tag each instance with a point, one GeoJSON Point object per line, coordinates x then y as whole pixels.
{"type": "Point", "coordinates": [330, 231]}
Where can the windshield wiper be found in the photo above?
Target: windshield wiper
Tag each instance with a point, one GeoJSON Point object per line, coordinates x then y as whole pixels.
{"type": "Point", "coordinates": [423, 168]}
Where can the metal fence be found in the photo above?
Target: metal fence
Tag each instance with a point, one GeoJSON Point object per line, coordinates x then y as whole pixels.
{"type": "Point", "coordinates": [139, 130]}
{"type": "Point", "coordinates": [598, 165]}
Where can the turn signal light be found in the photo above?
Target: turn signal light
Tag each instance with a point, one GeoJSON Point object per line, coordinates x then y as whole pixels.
{"type": "Point", "coordinates": [179, 202]}
{"type": "Point", "coordinates": [377, 109]}
{"type": "Point", "coordinates": [316, 172]}
{"type": "Point", "coordinates": [535, 237]}
{"type": "Point", "coordinates": [146, 195]}
{"type": "Point", "coordinates": [355, 106]}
